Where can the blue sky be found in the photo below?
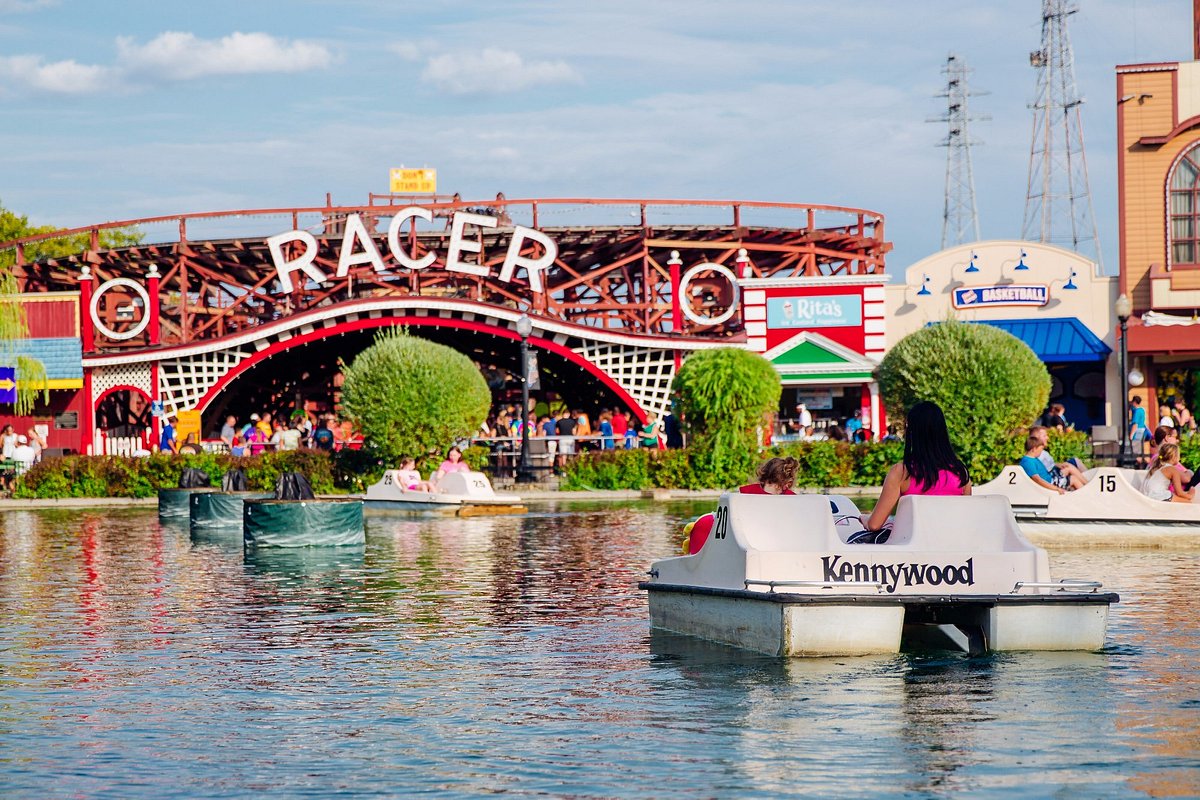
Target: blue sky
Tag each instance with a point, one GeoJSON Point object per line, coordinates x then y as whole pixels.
{"type": "Point", "coordinates": [168, 107]}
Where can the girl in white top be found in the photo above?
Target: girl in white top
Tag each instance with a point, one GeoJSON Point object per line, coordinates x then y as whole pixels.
{"type": "Point", "coordinates": [1164, 481]}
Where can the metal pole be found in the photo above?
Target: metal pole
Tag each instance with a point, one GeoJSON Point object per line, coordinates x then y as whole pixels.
{"type": "Point", "coordinates": [524, 473]}
{"type": "Point", "coordinates": [1123, 457]}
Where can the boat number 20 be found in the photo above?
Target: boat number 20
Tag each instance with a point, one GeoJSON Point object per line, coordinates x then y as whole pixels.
{"type": "Point", "coordinates": [721, 523]}
{"type": "Point", "coordinates": [1108, 483]}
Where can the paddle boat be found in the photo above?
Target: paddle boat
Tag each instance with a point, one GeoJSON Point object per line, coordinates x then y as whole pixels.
{"type": "Point", "coordinates": [462, 493]}
{"type": "Point", "coordinates": [1109, 509]}
{"type": "Point", "coordinates": [777, 576]}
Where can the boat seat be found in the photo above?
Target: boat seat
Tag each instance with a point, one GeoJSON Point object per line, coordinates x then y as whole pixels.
{"type": "Point", "coordinates": [946, 524]}
{"type": "Point", "coordinates": [776, 523]}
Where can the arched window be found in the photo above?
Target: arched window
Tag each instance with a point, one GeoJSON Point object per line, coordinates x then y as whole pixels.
{"type": "Point", "coordinates": [1184, 203]}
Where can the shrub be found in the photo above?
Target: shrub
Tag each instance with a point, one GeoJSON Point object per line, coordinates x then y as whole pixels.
{"type": "Point", "coordinates": [410, 396]}
{"type": "Point", "coordinates": [115, 476]}
{"type": "Point", "coordinates": [724, 395]}
{"type": "Point", "coordinates": [987, 381]}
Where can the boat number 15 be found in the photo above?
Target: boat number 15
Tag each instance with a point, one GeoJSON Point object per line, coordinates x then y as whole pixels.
{"type": "Point", "coordinates": [721, 523]}
{"type": "Point", "coordinates": [1108, 483]}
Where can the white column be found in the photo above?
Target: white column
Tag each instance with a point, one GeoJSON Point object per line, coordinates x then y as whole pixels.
{"type": "Point", "coordinates": [874, 387]}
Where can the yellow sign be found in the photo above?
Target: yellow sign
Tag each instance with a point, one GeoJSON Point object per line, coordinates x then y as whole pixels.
{"type": "Point", "coordinates": [413, 181]}
{"type": "Point", "coordinates": [187, 422]}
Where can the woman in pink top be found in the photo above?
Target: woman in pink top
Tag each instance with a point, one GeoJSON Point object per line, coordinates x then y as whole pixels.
{"type": "Point", "coordinates": [453, 463]}
{"type": "Point", "coordinates": [929, 467]}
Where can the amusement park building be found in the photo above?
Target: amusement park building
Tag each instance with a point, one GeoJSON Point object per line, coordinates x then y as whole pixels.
{"type": "Point", "coordinates": [240, 311]}
{"type": "Point", "coordinates": [1054, 300]}
{"type": "Point", "coordinates": [1158, 182]}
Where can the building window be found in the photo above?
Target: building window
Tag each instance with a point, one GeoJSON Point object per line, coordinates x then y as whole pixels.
{"type": "Point", "coordinates": [1185, 209]}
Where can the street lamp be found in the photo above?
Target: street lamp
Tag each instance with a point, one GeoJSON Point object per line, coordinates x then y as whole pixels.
{"type": "Point", "coordinates": [524, 469]}
{"type": "Point", "coordinates": [1124, 309]}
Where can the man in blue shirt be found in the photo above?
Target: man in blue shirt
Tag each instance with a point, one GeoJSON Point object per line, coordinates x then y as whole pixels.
{"type": "Point", "coordinates": [167, 442]}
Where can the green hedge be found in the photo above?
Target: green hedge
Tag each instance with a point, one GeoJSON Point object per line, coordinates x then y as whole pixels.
{"type": "Point", "coordinates": [115, 476]}
{"type": "Point", "coordinates": [822, 464]}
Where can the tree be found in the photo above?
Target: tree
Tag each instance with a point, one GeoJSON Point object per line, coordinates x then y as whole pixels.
{"type": "Point", "coordinates": [725, 395]}
{"type": "Point", "coordinates": [410, 396]}
{"type": "Point", "coordinates": [30, 372]}
{"type": "Point", "coordinates": [988, 382]}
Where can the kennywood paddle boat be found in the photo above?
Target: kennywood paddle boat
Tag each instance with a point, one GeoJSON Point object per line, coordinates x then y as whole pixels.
{"type": "Point", "coordinates": [462, 493]}
{"type": "Point", "coordinates": [777, 576]}
{"type": "Point", "coordinates": [1109, 509]}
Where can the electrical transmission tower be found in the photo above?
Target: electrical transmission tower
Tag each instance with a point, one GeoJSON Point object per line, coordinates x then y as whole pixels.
{"type": "Point", "coordinates": [1058, 203]}
{"type": "Point", "coordinates": [960, 217]}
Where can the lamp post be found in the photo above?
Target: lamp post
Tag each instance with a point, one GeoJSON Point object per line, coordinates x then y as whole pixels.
{"type": "Point", "coordinates": [1124, 309]}
{"type": "Point", "coordinates": [524, 470]}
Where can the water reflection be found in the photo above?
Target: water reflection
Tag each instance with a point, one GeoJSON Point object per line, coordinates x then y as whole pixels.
{"type": "Point", "coordinates": [479, 655]}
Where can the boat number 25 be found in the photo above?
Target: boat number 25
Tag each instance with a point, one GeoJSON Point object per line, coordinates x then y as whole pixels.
{"type": "Point", "coordinates": [1108, 483]}
{"type": "Point", "coordinates": [721, 523]}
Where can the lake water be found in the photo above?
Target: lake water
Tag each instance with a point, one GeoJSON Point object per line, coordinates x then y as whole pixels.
{"type": "Point", "coordinates": [512, 655]}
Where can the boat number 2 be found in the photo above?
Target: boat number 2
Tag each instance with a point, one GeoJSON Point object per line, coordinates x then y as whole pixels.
{"type": "Point", "coordinates": [1108, 483]}
{"type": "Point", "coordinates": [721, 523]}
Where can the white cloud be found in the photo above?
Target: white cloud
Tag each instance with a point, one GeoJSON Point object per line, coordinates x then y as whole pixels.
{"type": "Point", "coordinates": [170, 56]}
{"type": "Point", "coordinates": [409, 51]}
{"type": "Point", "coordinates": [183, 56]}
{"type": "Point", "coordinates": [62, 77]}
{"type": "Point", "coordinates": [17, 6]}
{"type": "Point", "coordinates": [490, 71]}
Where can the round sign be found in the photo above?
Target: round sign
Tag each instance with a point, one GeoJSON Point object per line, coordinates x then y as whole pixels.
{"type": "Point", "coordinates": [720, 270]}
{"type": "Point", "coordinates": [137, 289]}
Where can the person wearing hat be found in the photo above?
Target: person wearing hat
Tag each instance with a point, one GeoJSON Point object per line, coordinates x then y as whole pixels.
{"type": "Point", "coordinates": [24, 455]}
{"type": "Point", "coordinates": [803, 420]}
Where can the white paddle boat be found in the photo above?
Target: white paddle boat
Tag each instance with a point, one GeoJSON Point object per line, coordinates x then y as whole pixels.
{"type": "Point", "coordinates": [776, 575]}
{"type": "Point", "coordinates": [462, 493]}
{"type": "Point", "coordinates": [1109, 509]}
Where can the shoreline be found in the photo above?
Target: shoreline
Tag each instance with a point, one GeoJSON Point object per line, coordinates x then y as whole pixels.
{"type": "Point", "coordinates": [534, 495]}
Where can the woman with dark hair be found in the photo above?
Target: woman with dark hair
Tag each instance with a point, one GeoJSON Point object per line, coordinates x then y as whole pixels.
{"type": "Point", "coordinates": [930, 465]}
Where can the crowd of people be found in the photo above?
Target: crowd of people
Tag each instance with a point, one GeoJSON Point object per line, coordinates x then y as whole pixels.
{"type": "Point", "coordinates": [568, 431]}
{"type": "Point", "coordinates": [263, 432]}
{"type": "Point", "coordinates": [847, 429]}
{"type": "Point", "coordinates": [20, 452]}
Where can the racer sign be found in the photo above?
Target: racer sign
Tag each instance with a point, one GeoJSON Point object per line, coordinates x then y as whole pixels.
{"type": "Point", "coordinates": [358, 247]}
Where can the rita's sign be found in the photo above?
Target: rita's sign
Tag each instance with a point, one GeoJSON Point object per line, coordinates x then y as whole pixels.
{"type": "Point", "coordinates": [977, 296]}
{"type": "Point", "coordinates": [815, 311]}
{"type": "Point", "coordinates": [359, 248]}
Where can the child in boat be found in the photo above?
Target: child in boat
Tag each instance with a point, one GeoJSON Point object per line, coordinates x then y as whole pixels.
{"type": "Point", "coordinates": [929, 467]}
{"type": "Point", "coordinates": [410, 479]}
{"type": "Point", "coordinates": [1164, 481]}
{"type": "Point", "coordinates": [1036, 468]}
{"type": "Point", "coordinates": [775, 476]}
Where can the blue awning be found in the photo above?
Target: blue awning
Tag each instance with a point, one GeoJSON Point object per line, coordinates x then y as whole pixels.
{"type": "Point", "coordinates": [1056, 341]}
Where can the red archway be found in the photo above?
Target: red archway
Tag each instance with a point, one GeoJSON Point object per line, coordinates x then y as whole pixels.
{"type": "Point", "coordinates": [419, 321]}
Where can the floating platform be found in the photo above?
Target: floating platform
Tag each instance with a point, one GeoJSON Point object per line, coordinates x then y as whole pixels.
{"type": "Point", "coordinates": [176, 504]}
{"type": "Point", "coordinates": [303, 523]}
{"type": "Point", "coordinates": [220, 509]}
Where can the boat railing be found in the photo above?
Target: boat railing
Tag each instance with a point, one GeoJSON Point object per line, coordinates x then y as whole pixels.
{"type": "Point", "coordinates": [1066, 584]}
{"type": "Point", "coordinates": [876, 585]}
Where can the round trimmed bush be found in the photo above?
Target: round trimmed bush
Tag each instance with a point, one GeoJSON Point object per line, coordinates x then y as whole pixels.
{"type": "Point", "coordinates": [987, 381]}
{"type": "Point", "coordinates": [410, 397]}
{"type": "Point", "coordinates": [724, 395]}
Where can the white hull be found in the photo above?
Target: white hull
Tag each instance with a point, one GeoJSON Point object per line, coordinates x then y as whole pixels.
{"type": "Point", "coordinates": [459, 493]}
{"type": "Point", "coordinates": [1072, 533]}
{"type": "Point", "coordinates": [795, 625]}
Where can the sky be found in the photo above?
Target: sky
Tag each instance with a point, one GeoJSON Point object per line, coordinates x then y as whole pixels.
{"type": "Point", "coordinates": [121, 110]}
